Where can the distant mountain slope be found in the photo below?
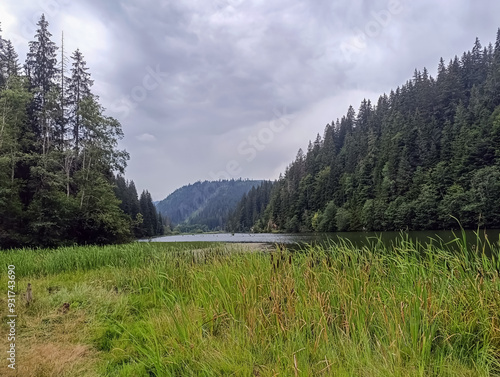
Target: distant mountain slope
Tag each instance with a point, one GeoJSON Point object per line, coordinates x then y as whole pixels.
{"type": "Point", "coordinates": [205, 203]}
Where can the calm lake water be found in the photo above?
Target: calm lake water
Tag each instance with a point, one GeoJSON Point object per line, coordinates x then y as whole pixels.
{"type": "Point", "coordinates": [357, 238]}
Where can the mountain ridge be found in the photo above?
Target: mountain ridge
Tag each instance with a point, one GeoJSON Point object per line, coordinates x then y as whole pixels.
{"type": "Point", "coordinates": [204, 205]}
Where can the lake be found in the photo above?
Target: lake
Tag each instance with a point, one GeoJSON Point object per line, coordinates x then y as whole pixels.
{"type": "Point", "coordinates": [357, 238]}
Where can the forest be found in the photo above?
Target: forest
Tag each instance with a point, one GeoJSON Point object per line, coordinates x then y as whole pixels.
{"type": "Point", "coordinates": [59, 155]}
{"type": "Point", "coordinates": [426, 156]}
{"type": "Point", "coordinates": [204, 206]}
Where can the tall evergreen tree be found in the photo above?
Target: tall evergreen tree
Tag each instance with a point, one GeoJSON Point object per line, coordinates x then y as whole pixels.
{"type": "Point", "coordinates": [149, 215]}
{"type": "Point", "coordinates": [79, 89]}
{"type": "Point", "coordinates": [10, 57]}
{"type": "Point", "coordinates": [41, 69]}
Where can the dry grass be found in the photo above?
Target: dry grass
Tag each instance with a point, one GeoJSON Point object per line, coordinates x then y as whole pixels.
{"type": "Point", "coordinates": [45, 347]}
{"type": "Point", "coordinates": [56, 360]}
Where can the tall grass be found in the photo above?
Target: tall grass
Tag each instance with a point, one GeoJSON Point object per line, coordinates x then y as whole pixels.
{"type": "Point", "coordinates": [42, 262]}
{"type": "Point", "coordinates": [337, 310]}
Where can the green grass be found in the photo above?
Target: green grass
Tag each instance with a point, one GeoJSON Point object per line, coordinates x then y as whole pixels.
{"type": "Point", "coordinates": [152, 309]}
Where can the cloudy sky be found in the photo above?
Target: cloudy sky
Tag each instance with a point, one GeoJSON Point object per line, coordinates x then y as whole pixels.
{"type": "Point", "coordinates": [233, 88]}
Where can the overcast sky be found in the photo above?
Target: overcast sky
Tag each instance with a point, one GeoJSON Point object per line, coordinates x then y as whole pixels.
{"type": "Point", "coordinates": [233, 88]}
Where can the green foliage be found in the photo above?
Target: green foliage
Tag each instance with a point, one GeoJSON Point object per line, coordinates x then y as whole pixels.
{"type": "Point", "coordinates": [58, 152]}
{"type": "Point", "coordinates": [316, 220]}
{"type": "Point", "coordinates": [292, 225]}
{"type": "Point", "coordinates": [328, 221]}
{"type": "Point", "coordinates": [343, 219]}
{"type": "Point", "coordinates": [485, 192]}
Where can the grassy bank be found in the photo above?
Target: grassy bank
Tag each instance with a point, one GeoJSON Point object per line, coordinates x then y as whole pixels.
{"type": "Point", "coordinates": [152, 309]}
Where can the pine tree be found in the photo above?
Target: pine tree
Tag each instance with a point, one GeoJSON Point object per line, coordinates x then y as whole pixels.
{"type": "Point", "coordinates": [11, 67]}
{"type": "Point", "coordinates": [79, 89]}
{"type": "Point", "coordinates": [493, 80]}
{"type": "Point", "coordinates": [150, 217]}
{"type": "Point", "coordinates": [478, 62]}
{"type": "Point", "coordinates": [41, 69]}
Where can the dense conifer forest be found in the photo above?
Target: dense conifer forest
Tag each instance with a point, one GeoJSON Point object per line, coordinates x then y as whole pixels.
{"type": "Point", "coordinates": [424, 156]}
{"type": "Point", "coordinates": [59, 155]}
{"type": "Point", "coordinates": [246, 216]}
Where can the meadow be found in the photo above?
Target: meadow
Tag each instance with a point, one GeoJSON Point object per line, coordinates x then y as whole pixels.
{"type": "Point", "coordinates": [207, 309]}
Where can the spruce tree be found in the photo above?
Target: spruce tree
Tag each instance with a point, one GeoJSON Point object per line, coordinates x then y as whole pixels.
{"type": "Point", "coordinates": [12, 67]}
{"type": "Point", "coordinates": [41, 69]}
{"type": "Point", "coordinates": [79, 89]}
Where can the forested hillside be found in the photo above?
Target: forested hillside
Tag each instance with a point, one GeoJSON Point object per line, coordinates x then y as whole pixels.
{"type": "Point", "coordinates": [248, 212]}
{"type": "Point", "coordinates": [58, 151]}
{"type": "Point", "coordinates": [204, 205]}
{"type": "Point", "coordinates": [423, 154]}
